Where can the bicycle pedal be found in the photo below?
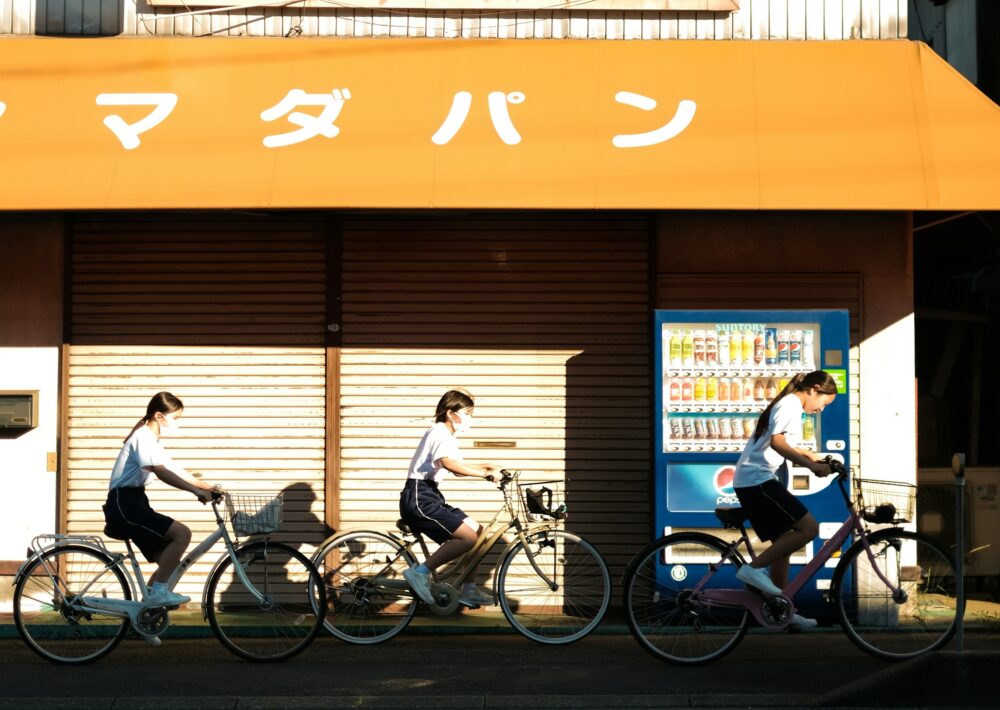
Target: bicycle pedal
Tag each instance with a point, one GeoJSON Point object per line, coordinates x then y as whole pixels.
{"type": "Point", "coordinates": [469, 605]}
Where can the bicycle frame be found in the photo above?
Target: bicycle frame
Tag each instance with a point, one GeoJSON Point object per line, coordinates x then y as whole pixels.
{"type": "Point", "coordinates": [457, 571]}
{"type": "Point", "coordinates": [133, 573]}
{"type": "Point", "coordinates": [750, 600]}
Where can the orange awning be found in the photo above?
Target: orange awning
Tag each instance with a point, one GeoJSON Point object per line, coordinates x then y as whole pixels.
{"type": "Point", "coordinates": [409, 123]}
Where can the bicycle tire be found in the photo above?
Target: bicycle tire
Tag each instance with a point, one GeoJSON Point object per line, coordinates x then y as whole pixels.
{"type": "Point", "coordinates": [286, 621]}
{"type": "Point", "coordinates": [660, 614]}
{"type": "Point", "coordinates": [563, 615]}
{"type": "Point", "coordinates": [368, 601]}
{"type": "Point", "coordinates": [56, 631]}
{"type": "Point", "coordinates": [894, 629]}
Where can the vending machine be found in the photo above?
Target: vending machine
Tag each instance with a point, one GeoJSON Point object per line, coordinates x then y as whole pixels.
{"type": "Point", "coordinates": [715, 373]}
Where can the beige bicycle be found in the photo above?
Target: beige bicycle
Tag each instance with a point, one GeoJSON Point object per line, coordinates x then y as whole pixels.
{"type": "Point", "coordinates": [552, 585]}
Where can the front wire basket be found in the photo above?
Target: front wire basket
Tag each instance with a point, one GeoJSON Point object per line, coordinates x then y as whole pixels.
{"type": "Point", "coordinates": [542, 500]}
{"type": "Point", "coordinates": [254, 514]}
{"type": "Point", "coordinates": [885, 502]}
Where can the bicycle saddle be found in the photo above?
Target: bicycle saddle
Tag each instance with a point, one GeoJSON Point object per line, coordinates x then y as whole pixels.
{"type": "Point", "coordinates": [403, 527]}
{"type": "Point", "coordinates": [114, 533]}
{"type": "Point", "coordinates": [730, 517]}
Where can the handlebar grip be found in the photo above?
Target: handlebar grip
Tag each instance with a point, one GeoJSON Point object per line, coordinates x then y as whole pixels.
{"type": "Point", "coordinates": [836, 465]}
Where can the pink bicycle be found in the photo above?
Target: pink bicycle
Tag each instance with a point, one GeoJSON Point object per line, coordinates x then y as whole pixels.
{"type": "Point", "coordinates": [893, 590]}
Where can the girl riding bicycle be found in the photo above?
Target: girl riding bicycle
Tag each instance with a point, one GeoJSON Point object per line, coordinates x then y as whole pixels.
{"type": "Point", "coordinates": [127, 512]}
{"type": "Point", "coordinates": [776, 514]}
{"type": "Point", "coordinates": [423, 507]}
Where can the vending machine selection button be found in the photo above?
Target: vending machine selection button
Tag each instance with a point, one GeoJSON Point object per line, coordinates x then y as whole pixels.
{"type": "Point", "coordinates": [836, 445]}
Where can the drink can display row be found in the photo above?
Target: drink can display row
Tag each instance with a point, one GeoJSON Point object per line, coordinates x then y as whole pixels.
{"type": "Point", "coordinates": [721, 428]}
{"type": "Point", "coordinates": [723, 390]}
{"type": "Point", "coordinates": [755, 347]}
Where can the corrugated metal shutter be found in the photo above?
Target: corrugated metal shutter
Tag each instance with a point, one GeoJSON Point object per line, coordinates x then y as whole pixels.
{"type": "Point", "coordinates": [229, 314]}
{"type": "Point", "coordinates": [777, 291]}
{"type": "Point", "coordinates": [544, 318]}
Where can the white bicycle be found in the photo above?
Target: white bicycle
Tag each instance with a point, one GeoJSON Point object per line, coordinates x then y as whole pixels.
{"type": "Point", "coordinates": [74, 599]}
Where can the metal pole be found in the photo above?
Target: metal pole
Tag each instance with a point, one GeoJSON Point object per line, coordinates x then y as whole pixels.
{"type": "Point", "coordinates": [958, 468]}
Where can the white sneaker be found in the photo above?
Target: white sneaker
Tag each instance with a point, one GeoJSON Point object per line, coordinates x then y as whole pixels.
{"type": "Point", "coordinates": [165, 597]}
{"type": "Point", "coordinates": [475, 598]}
{"type": "Point", "coordinates": [420, 582]}
{"type": "Point", "coordinates": [801, 623]}
{"type": "Point", "coordinates": [758, 579]}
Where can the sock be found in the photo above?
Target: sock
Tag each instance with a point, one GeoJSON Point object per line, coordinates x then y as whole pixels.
{"type": "Point", "coordinates": [468, 586]}
{"type": "Point", "coordinates": [423, 569]}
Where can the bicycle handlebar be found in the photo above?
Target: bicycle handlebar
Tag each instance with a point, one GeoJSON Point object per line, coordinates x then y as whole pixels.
{"type": "Point", "coordinates": [836, 466]}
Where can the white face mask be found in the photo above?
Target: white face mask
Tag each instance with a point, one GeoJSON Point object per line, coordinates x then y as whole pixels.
{"type": "Point", "coordinates": [169, 426]}
{"type": "Point", "coordinates": [462, 423]}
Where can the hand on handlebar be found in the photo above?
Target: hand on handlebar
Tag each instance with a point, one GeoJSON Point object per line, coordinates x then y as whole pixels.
{"type": "Point", "coordinates": [835, 466]}
{"type": "Point", "coordinates": [503, 477]}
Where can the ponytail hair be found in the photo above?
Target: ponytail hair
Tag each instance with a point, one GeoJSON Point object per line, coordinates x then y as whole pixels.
{"type": "Point", "coordinates": [161, 403]}
{"type": "Point", "coordinates": [452, 401]}
{"type": "Point", "coordinates": [802, 382]}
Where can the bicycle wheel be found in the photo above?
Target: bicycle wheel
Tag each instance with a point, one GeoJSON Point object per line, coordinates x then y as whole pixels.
{"type": "Point", "coordinates": [368, 601]}
{"type": "Point", "coordinates": [54, 627]}
{"type": "Point", "coordinates": [896, 626]}
{"type": "Point", "coordinates": [662, 613]}
{"type": "Point", "coordinates": [564, 614]}
{"type": "Point", "coordinates": [287, 617]}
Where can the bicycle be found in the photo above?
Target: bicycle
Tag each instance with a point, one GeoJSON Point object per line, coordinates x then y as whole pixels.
{"type": "Point", "coordinates": [893, 590]}
{"type": "Point", "coordinates": [552, 585]}
{"type": "Point", "coordinates": [74, 600]}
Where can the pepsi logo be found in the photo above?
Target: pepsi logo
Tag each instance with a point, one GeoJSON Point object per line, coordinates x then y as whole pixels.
{"type": "Point", "coordinates": [724, 481]}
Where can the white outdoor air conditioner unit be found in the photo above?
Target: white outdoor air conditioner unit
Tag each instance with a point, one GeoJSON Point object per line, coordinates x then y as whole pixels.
{"type": "Point", "coordinates": [936, 515]}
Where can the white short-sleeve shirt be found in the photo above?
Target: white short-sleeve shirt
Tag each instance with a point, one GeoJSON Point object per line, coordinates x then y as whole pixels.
{"type": "Point", "coordinates": [759, 462]}
{"type": "Point", "coordinates": [142, 449]}
{"type": "Point", "coordinates": [437, 443]}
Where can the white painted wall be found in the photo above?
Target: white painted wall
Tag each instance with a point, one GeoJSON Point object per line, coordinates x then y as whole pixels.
{"type": "Point", "coordinates": [28, 502]}
{"type": "Point", "coordinates": [888, 404]}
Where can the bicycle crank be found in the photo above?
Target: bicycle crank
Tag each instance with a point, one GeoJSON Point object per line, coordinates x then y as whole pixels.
{"type": "Point", "coordinates": [445, 598]}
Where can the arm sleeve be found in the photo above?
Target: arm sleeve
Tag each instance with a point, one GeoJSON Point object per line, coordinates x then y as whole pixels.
{"type": "Point", "coordinates": [443, 445]}
{"type": "Point", "coordinates": [783, 419]}
{"type": "Point", "coordinates": [150, 453]}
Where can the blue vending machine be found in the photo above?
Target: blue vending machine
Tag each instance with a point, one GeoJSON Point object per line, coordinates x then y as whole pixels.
{"type": "Point", "coordinates": [715, 373]}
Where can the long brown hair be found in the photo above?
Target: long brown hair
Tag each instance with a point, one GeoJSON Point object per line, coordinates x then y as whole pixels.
{"type": "Point", "coordinates": [161, 403]}
{"type": "Point", "coordinates": [452, 401]}
{"type": "Point", "coordinates": [802, 382]}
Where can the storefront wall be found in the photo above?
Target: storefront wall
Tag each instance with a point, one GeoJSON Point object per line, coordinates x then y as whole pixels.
{"type": "Point", "coordinates": [229, 314]}
{"type": "Point", "coordinates": [544, 318]}
{"type": "Point", "coordinates": [310, 351]}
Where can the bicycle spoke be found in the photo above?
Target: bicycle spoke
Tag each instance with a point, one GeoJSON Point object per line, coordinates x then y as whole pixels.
{"type": "Point", "coordinates": [367, 599]}
{"type": "Point", "coordinates": [915, 613]}
{"type": "Point", "coordinates": [57, 630]}
{"type": "Point", "coordinates": [664, 615]}
{"type": "Point", "coordinates": [564, 614]}
{"type": "Point", "coordinates": [278, 615]}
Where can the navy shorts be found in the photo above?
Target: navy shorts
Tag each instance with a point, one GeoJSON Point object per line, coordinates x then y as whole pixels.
{"type": "Point", "coordinates": [422, 507]}
{"type": "Point", "coordinates": [771, 508]}
{"type": "Point", "coordinates": [127, 515]}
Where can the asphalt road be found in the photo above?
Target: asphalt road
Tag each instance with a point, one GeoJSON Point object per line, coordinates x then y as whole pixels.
{"type": "Point", "coordinates": [449, 670]}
